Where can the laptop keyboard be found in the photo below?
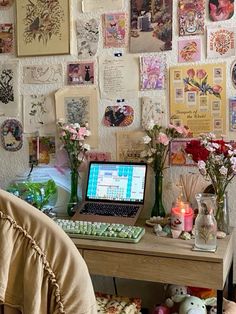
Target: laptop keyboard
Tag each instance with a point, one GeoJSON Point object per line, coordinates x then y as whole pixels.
{"type": "Point", "coordinates": [110, 209]}
{"type": "Point", "coordinates": [101, 230]}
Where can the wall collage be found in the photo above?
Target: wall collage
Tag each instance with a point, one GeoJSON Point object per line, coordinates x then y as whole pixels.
{"type": "Point", "coordinates": [115, 64]}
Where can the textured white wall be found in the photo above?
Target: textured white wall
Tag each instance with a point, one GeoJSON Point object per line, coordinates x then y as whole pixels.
{"type": "Point", "coordinates": [13, 163]}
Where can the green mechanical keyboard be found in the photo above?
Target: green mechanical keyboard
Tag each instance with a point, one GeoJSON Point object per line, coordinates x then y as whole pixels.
{"type": "Point", "coordinates": [101, 230]}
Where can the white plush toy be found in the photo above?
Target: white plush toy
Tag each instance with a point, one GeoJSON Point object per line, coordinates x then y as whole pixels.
{"type": "Point", "coordinates": [192, 305]}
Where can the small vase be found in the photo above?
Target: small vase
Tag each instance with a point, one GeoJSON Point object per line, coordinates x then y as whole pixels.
{"type": "Point", "coordinates": [74, 198]}
{"type": "Point", "coordinates": [222, 213]}
{"type": "Point", "coordinates": [158, 208]}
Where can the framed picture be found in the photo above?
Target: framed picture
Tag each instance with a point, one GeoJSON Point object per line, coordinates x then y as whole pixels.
{"type": "Point", "coordinates": [79, 105]}
{"type": "Point", "coordinates": [43, 27]}
{"type": "Point", "coordinates": [178, 156]}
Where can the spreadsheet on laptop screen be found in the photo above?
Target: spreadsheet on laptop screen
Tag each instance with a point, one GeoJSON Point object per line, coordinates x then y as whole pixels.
{"type": "Point", "coordinates": [116, 182]}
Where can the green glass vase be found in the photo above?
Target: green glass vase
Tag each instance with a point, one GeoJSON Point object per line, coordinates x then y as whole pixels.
{"type": "Point", "coordinates": [74, 198]}
{"type": "Point", "coordinates": [158, 209]}
{"type": "Point", "coordinates": [222, 212]}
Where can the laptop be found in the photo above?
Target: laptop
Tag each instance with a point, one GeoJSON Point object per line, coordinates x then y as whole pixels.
{"type": "Point", "coordinates": [115, 192]}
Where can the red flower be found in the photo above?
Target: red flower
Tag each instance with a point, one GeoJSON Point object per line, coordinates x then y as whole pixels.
{"type": "Point", "coordinates": [196, 150]}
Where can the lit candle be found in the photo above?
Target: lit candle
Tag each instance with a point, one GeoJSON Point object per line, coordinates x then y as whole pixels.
{"type": "Point", "coordinates": [182, 217]}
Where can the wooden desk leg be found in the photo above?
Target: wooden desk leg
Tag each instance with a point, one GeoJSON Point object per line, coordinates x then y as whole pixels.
{"type": "Point", "coordinates": [219, 301]}
{"type": "Point", "coordinates": [230, 283]}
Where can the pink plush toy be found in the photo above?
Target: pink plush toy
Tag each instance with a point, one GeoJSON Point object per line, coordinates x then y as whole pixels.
{"type": "Point", "coordinates": [161, 309]}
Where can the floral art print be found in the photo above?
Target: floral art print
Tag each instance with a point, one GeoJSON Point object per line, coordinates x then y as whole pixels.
{"type": "Point", "coordinates": [11, 135]}
{"type": "Point", "coordinates": [80, 73]}
{"type": "Point", "coordinates": [118, 116]}
{"type": "Point", "coordinates": [220, 42]}
{"type": "Point", "coordinates": [114, 30]}
{"type": "Point", "coordinates": [221, 10]}
{"type": "Point", "coordinates": [6, 38]}
{"type": "Point", "coordinates": [150, 25]}
{"type": "Point", "coordinates": [189, 50]}
{"type": "Point", "coordinates": [191, 15]}
{"type": "Point", "coordinates": [42, 74]}
{"type": "Point", "coordinates": [152, 110]}
{"type": "Point", "coordinates": [77, 110]}
{"type": "Point", "coordinates": [87, 34]}
{"type": "Point", "coordinates": [152, 73]}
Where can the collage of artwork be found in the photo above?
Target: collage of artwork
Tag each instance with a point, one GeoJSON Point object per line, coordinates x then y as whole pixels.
{"type": "Point", "coordinates": [121, 51]}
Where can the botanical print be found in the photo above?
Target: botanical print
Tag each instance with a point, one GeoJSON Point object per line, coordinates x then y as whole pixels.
{"type": "Point", "coordinates": [232, 114]}
{"type": "Point", "coordinates": [114, 30]}
{"type": "Point", "coordinates": [151, 110]}
{"type": "Point", "coordinates": [189, 50]}
{"type": "Point", "coordinates": [221, 10]}
{"type": "Point", "coordinates": [11, 135]}
{"type": "Point", "coordinates": [77, 109]}
{"type": "Point", "coordinates": [152, 72]}
{"type": "Point", "coordinates": [150, 25]}
{"type": "Point", "coordinates": [42, 74]}
{"type": "Point", "coordinates": [191, 15]}
{"type": "Point", "coordinates": [42, 149]}
{"type": "Point", "coordinates": [6, 38]}
{"type": "Point", "coordinates": [80, 73]}
{"type": "Point", "coordinates": [220, 42]}
{"type": "Point", "coordinates": [38, 114]}
{"type": "Point", "coordinates": [9, 88]}
{"type": "Point", "coordinates": [87, 35]}
{"type": "Point", "coordinates": [5, 4]}
{"type": "Point", "coordinates": [118, 116]}
{"type": "Point", "coordinates": [42, 27]}
{"type": "Point", "coordinates": [199, 97]}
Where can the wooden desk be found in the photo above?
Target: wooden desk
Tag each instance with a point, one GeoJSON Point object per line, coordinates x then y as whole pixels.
{"type": "Point", "coordinates": [163, 260]}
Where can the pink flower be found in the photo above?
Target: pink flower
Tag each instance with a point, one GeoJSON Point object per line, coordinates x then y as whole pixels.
{"type": "Point", "coordinates": [191, 73]}
{"type": "Point", "coordinates": [201, 74]}
{"type": "Point", "coordinates": [217, 89]}
{"type": "Point", "coordinates": [163, 139]}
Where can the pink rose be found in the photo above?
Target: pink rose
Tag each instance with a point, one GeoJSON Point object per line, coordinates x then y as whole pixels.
{"type": "Point", "coordinates": [201, 74]}
{"type": "Point", "coordinates": [217, 89]}
{"type": "Point", "coordinates": [191, 73]}
{"type": "Point", "coordinates": [163, 139]}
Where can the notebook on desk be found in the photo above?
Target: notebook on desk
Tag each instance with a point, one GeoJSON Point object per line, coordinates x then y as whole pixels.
{"type": "Point", "coordinates": [115, 192]}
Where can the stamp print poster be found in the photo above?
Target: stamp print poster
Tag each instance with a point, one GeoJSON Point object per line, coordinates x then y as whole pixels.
{"type": "Point", "coordinates": [198, 97]}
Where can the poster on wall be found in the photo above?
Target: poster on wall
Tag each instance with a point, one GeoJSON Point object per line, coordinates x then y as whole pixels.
{"type": "Point", "coordinates": [80, 73]}
{"type": "Point", "coordinates": [118, 115]}
{"type": "Point", "coordinates": [189, 50]}
{"type": "Point", "coordinates": [220, 42]}
{"type": "Point", "coordinates": [198, 97]}
{"type": "Point", "coordinates": [9, 89]}
{"type": "Point", "coordinates": [42, 74]}
{"type": "Point", "coordinates": [79, 105]}
{"type": "Point", "coordinates": [6, 38]}
{"type": "Point", "coordinates": [43, 27]}
{"type": "Point", "coordinates": [114, 30]}
{"type": "Point", "coordinates": [221, 10]}
{"type": "Point", "coordinates": [152, 72]}
{"type": "Point", "coordinates": [191, 16]}
{"type": "Point", "coordinates": [11, 135]}
{"type": "Point", "coordinates": [150, 25]}
{"type": "Point", "coordinates": [152, 110]}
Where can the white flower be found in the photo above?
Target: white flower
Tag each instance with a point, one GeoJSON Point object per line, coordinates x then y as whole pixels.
{"type": "Point", "coordinates": [87, 146]}
{"type": "Point", "coordinates": [233, 160]}
{"type": "Point", "coordinates": [143, 154]}
{"type": "Point", "coordinates": [150, 125]}
{"type": "Point", "coordinates": [210, 148]}
{"type": "Point", "coordinates": [223, 170]}
{"type": "Point", "coordinates": [76, 125]}
{"type": "Point", "coordinates": [147, 139]}
{"type": "Point", "coordinates": [150, 160]}
{"type": "Point", "coordinates": [201, 164]}
{"type": "Point", "coordinates": [215, 145]}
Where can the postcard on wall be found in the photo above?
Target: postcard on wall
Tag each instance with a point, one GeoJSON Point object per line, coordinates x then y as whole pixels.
{"type": "Point", "coordinates": [105, 5]}
{"type": "Point", "coordinates": [221, 10]}
{"type": "Point", "coordinates": [232, 114]}
{"type": "Point", "coordinates": [189, 50]}
{"type": "Point", "coordinates": [11, 135]}
{"type": "Point", "coordinates": [150, 26]}
{"type": "Point", "coordinates": [114, 30]}
{"type": "Point", "coordinates": [220, 42]}
{"type": "Point", "coordinates": [191, 15]}
{"type": "Point", "coordinates": [118, 76]}
{"type": "Point", "coordinates": [152, 72]}
{"type": "Point", "coordinates": [178, 156]}
{"type": "Point", "coordinates": [6, 38]}
{"type": "Point", "coordinates": [43, 27]}
{"type": "Point", "coordinates": [98, 156]}
{"type": "Point", "coordinates": [198, 96]}
{"type": "Point", "coordinates": [42, 150]}
{"type": "Point", "coordinates": [118, 116]}
{"type": "Point", "coordinates": [9, 89]}
{"type": "Point", "coordinates": [129, 145]}
{"type": "Point", "coordinates": [42, 74]}
{"type": "Point", "coordinates": [152, 110]}
{"type": "Point", "coordinates": [39, 114]}
{"type": "Point", "coordinates": [80, 73]}
{"type": "Point", "coordinates": [87, 36]}
{"type": "Point", "coordinates": [79, 105]}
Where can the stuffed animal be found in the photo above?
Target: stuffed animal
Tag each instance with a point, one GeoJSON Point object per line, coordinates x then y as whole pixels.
{"type": "Point", "coordinates": [161, 309]}
{"type": "Point", "coordinates": [192, 305]}
{"type": "Point", "coordinates": [229, 307]}
{"type": "Point", "coordinates": [171, 292]}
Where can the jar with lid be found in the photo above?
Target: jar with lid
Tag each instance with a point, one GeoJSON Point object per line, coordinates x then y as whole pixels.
{"type": "Point", "coordinates": [205, 223]}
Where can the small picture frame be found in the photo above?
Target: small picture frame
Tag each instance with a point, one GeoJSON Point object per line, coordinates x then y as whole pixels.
{"type": "Point", "coordinates": [178, 156]}
{"type": "Point", "coordinates": [43, 28]}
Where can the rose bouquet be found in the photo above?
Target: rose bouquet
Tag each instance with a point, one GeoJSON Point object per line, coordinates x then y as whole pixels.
{"type": "Point", "coordinates": [216, 161]}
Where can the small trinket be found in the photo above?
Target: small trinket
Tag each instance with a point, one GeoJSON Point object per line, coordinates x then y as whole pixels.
{"type": "Point", "coordinates": [185, 235]}
{"type": "Point", "coordinates": [220, 235]}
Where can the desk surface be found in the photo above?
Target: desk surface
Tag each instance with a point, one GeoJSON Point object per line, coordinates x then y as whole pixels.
{"type": "Point", "coordinates": [159, 259]}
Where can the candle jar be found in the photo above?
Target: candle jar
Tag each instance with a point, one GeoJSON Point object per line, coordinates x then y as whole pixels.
{"type": "Point", "coordinates": [205, 223]}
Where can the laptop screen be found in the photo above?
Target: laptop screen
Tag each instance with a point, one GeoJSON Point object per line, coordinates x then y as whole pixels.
{"type": "Point", "coordinates": [116, 181]}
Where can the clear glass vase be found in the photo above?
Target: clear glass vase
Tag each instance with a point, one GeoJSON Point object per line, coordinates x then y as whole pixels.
{"type": "Point", "coordinates": [158, 209]}
{"type": "Point", "coordinates": [222, 213]}
{"type": "Point", "coordinates": [205, 223]}
{"type": "Point", "coordinates": [74, 197]}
